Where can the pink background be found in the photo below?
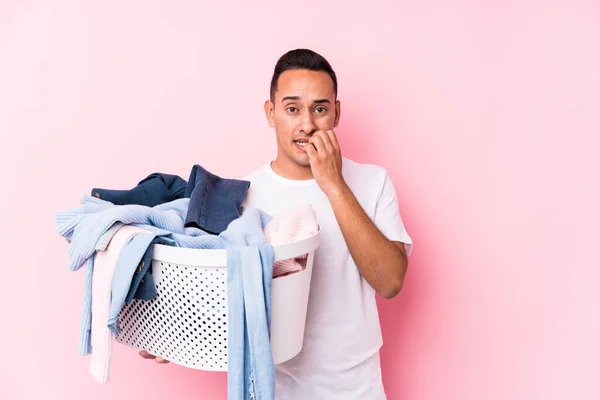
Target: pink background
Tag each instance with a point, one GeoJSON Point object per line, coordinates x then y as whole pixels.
{"type": "Point", "coordinates": [486, 115]}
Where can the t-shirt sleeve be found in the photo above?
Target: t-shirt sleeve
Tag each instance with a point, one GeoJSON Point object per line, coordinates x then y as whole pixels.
{"type": "Point", "coordinates": [387, 216]}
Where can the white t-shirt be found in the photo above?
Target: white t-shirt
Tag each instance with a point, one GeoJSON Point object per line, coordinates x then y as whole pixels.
{"type": "Point", "coordinates": [340, 354]}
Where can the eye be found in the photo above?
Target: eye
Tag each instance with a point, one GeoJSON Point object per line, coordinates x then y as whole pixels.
{"type": "Point", "coordinates": [320, 110]}
{"type": "Point", "coordinates": [292, 109]}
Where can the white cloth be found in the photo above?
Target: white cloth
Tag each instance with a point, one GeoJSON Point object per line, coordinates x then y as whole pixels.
{"type": "Point", "coordinates": [104, 268]}
{"type": "Point", "coordinates": [340, 355]}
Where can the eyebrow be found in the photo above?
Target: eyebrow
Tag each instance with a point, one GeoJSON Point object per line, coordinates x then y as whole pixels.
{"type": "Point", "coordinates": [319, 101]}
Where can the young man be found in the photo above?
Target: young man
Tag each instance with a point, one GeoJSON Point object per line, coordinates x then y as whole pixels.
{"type": "Point", "coordinates": [363, 243]}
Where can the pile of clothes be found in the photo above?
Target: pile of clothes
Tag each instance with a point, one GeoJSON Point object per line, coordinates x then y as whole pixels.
{"type": "Point", "coordinates": [111, 233]}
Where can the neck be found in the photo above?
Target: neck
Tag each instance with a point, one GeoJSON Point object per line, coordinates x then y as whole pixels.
{"type": "Point", "coordinates": [291, 170]}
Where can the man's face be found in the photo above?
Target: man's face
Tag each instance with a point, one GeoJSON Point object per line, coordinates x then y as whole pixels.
{"type": "Point", "coordinates": [304, 103]}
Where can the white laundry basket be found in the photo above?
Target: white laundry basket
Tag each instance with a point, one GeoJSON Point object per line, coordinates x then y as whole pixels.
{"type": "Point", "coordinates": [187, 322]}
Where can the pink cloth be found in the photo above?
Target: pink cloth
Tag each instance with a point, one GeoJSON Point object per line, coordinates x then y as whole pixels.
{"type": "Point", "coordinates": [290, 226]}
{"type": "Point", "coordinates": [104, 267]}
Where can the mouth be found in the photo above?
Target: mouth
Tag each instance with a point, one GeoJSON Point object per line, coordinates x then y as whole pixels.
{"type": "Point", "coordinates": [301, 145]}
{"type": "Point", "coordinates": [301, 142]}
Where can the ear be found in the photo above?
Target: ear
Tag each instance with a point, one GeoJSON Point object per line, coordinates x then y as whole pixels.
{"type": "Point", "coordinates": [338, 111]}
{"type": "Point", "coordinates": [269, 109]}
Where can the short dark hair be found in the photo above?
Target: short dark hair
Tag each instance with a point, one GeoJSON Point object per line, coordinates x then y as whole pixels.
{"type": "Point", "coordinates": [301, 59]}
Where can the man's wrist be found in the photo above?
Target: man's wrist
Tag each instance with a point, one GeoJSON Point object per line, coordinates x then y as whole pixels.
{"type": "Point", "coordinates": [338, 191]}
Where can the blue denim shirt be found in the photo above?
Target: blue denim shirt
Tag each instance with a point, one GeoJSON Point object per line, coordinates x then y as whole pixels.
{"type": "Point", "coordinates": [214, 201]}
{"type": "Point", "coordinates": [249, 273]}
{"type": "Point", "coordinates": [151, 191]}
{"type": "Point", "coordinates": [249, 276]}
{"type": "Point", "coordinates": [131, 270]}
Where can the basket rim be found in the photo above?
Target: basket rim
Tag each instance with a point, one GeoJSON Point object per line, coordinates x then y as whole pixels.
{"type": "Point", "coordinates": [217, 258]}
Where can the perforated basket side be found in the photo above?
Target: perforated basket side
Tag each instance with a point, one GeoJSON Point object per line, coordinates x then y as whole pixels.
{"type": "Point", "coordinates": [187, 322]}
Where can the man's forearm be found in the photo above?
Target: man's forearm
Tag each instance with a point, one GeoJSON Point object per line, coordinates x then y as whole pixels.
{"type": "Point", "coordinates": [381, 262]}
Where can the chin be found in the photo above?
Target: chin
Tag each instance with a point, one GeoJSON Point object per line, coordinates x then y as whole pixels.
{"type": "Point", "coordinates": [302, 161]}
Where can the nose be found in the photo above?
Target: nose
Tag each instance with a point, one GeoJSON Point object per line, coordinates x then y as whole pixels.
{"type": "Point", "coordinates": [307, 124]}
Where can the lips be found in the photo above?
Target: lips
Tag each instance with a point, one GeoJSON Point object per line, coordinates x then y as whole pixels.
{"type": "Point", "coordinates": [301, 144]}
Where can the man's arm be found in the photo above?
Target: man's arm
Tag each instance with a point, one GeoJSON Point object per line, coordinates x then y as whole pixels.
{"type": "Point", "coordinates": [381, 262]}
